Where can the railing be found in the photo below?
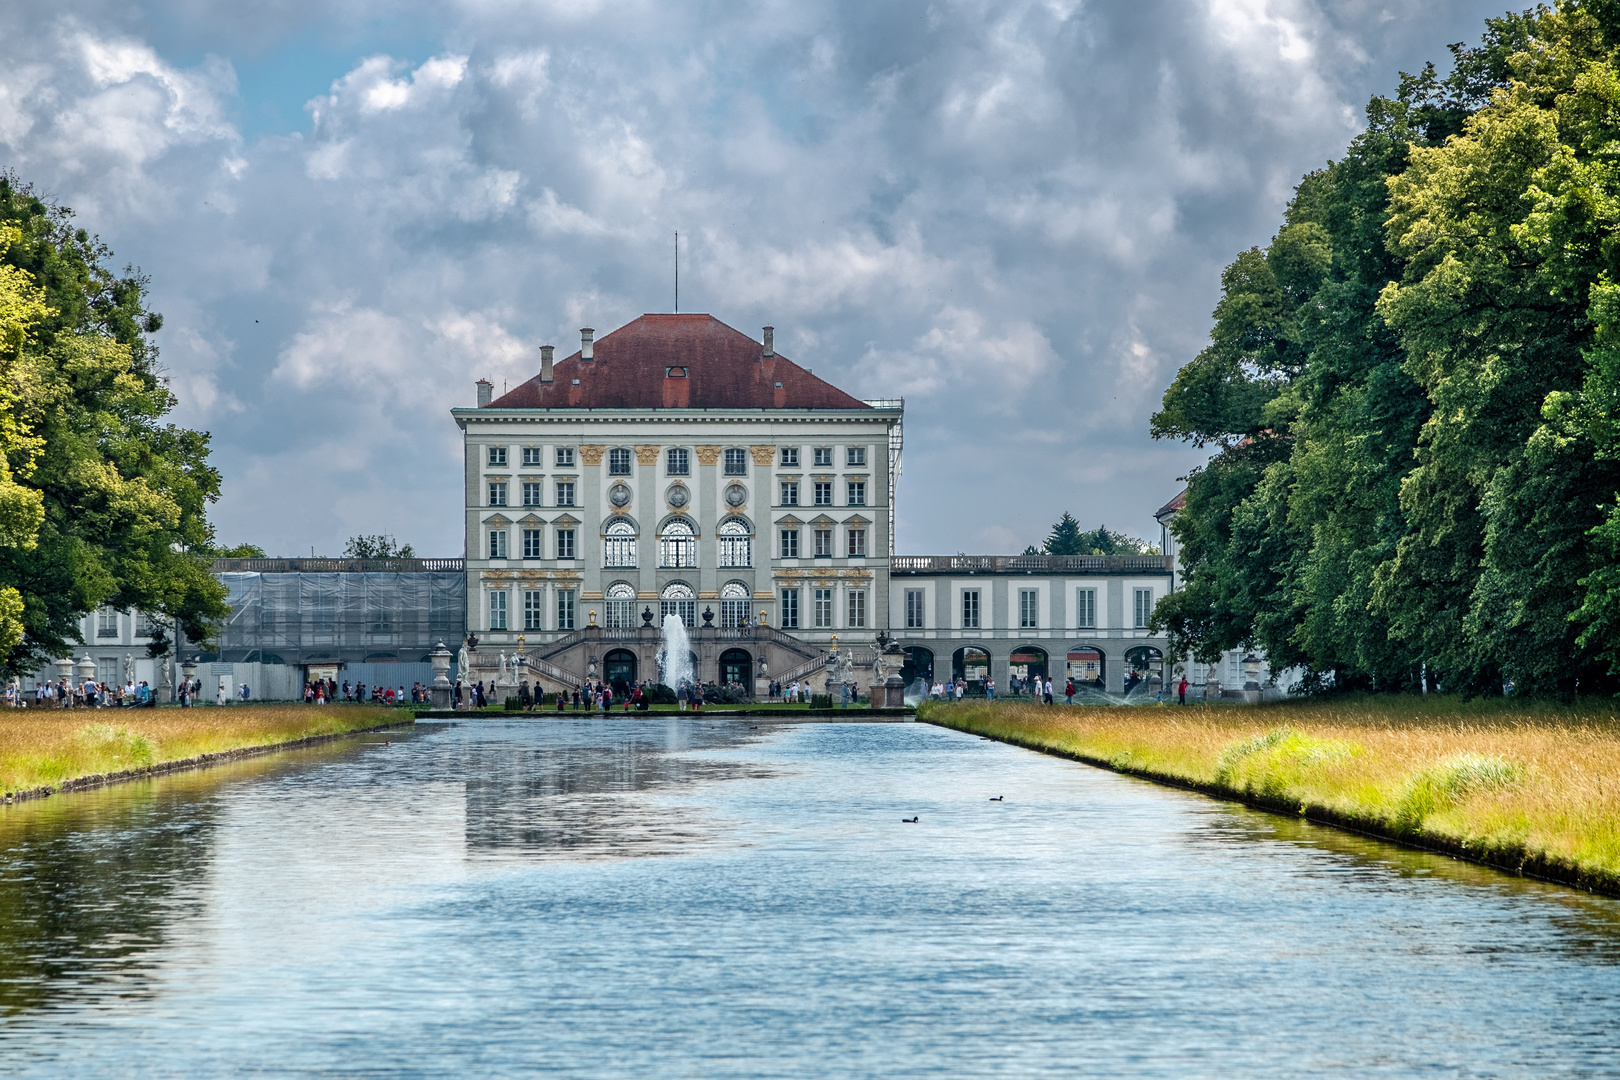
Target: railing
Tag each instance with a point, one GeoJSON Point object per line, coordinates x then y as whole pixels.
{"type": "Point", "coordinates": [1045, 564]}
{"type": "Point", "coordinates": [553, 672]}
{"type": "Point", "coordinates": [818, 664]}
{"type": "Point", "coordinates": [337, 566]}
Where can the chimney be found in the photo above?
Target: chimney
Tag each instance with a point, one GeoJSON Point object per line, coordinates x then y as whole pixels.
{"type": "Point", "coordinates": [486, 391]}
{"type": "Point", "coordinates": [545, 363]}
{"type": "Point", "coordinates": [770, 342]}
{"type": "Point", "coordinates": [587, 339]}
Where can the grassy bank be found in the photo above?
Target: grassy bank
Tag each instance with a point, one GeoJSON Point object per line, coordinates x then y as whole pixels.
{"type": "Point", "coordinates": [50, 747]}
{"type": "Point", "coordinates": [1528, 787]}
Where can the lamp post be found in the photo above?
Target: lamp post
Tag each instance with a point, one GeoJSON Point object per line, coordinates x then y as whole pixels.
{"type": "Point", "coordinates": [1251, 675]}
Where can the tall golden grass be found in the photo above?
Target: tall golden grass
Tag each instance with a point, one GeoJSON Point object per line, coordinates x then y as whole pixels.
{"type": "Point", "coordinates": [41, 747]}
{"type": "Point", "coordinates": [1521, 784]}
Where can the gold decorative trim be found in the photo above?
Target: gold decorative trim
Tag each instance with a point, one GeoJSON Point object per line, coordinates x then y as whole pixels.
{"type": "Point", "coordinates": [647, 455]}
{"type": "Point", "coordinates": [763, 455]}
{"type": "Point", "coordinates": [499, 521]}
{"type": "Point", "coordinates": [588, 595]}
{"type": "Point", "coordinates": [707, 455]}
{"type": "Point", "coordinates": [647, 595]}
{"type": "Point", "coordinates": [708, 596]}
{"type": "Point", "coordinates": [591, 455]}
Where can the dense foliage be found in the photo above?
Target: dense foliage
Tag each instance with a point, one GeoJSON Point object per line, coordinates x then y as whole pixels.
{"type": "Point", "coordinates": [1412, 390]}
{"type": "Point", "coordinates": [1067, 538]}
{"type": "Point", "coordinates": [101, 503]}
{"type": "Point", "coordinates": [380, 546]}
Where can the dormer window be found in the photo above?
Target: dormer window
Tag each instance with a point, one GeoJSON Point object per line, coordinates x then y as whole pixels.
{"type": "Point", "coordinates": [674, 373]}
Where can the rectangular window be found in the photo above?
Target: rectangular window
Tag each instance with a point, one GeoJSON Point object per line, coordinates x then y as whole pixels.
{"type": "Point", "coordinates": [857, 607]}
{"type": "Point", "coordinates": [790, 543]}
{"type": "Point", "coordinates": [790, 609]}
{"type": "Point", "coordinates": [497, 543]}
{"type": "Point", "coordinates": [619, 546]}
{"type": "Point", "coordinates": [970, 609]}
{"type": "Point", "coordinates": [823, 456]}
{"type": "Point", "coordinates": [565, 609]}
{"type": "Point", "coordinates": [823, 492]}
{"type": "Point", "coordinates": [534, 609]}
{"type": "Point", "coordinates": [619, 614]}
{"type": "Point", "coordinates": [107, 624]}
{"type": "Point", "coordinates": [790, 493]}
{"type": "Point", "coordinates": [497, 455]}
{"type": "Point", "coordinates": [855, 455]}
{"type": "Point", "coordinates": [531, 493]}
{"type": "Point", "coordinates": [1144, 606]}
{"type": "Point", "coordinates": [619, 461]}
{"type": "Point", "coordinates": [824, 542]}
{"type": "Point", "coordinates": [914, 609]}
{"type": "Point", "coordinates": [144, 626]}
{"type": "Point", "coordinates": [565, 457]}
{"type": "Point", "coordinates": [565, 543]}
{"type": "Point", "coordinates": [565, 493]}
{"type": "Point", "coordinates": [736, 461]}
{"type": "Point", "coordinates": [497, 609]}
{"type": "Point", "coordinates": [531, 455]}
{"type": "Point", "coordinates": [1085, 608]}
{"type": "Point", "coordinates": [677, 462]}
{"type": "Point", "coordinates": [531, 544]}
{"type": "Point", "coordinates": [857, 543]}
{"type": "Point", "coordinates": [824, 608]}
{"type": "Point", "coordinates": [497, 493]}
{"type": "Point", "coordinates": [790, 457]}
{"type": "Point", "coordinates": [857, 493]}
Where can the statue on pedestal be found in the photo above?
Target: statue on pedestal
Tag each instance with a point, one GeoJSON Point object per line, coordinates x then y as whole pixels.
{"type": "Point", "coordinates": [463, 664]}
{"type": "Point", "coordinates": [501, 679]}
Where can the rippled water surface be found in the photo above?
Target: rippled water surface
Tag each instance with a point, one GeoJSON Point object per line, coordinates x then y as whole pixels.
{"type": "Point", "coordinates": [669, 898]}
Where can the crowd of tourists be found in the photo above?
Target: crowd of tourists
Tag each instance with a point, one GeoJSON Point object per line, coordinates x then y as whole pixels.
{"type": "Point", "coordinates": [90, 694]}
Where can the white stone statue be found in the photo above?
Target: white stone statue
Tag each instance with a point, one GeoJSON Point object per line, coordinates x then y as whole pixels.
{"type": "Point", "coordinates": [501, 679]}
{"type": "Point", "coordinates": [849, 670]}
{"type": "Point", "coordinates": [463, 664]}
{"type": "Point", "coordinates": [129, 669]}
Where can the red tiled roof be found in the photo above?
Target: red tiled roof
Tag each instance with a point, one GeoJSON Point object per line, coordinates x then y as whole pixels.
{"type": "Point", "coordinates": [725, 369]}
{"type": "Point", "coordinates": [1169, 508]}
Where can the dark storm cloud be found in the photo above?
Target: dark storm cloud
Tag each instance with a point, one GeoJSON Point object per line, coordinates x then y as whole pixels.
{"type": "Point", "coordinates": [1014, 215]}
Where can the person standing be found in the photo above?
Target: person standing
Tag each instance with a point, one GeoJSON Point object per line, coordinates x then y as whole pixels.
{"type": "Point", "coordinates": [1068, 692]}
{"type": "Point", "coordinates": [1046, 691]}
{"type": "Point", "coordinates": [1181, 690]}
{"type": "Point", "coordinates": [990, 689]}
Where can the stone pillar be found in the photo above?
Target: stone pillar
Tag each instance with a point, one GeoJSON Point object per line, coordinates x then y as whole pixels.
{"type": "Point", "coordinates": [439, 694]}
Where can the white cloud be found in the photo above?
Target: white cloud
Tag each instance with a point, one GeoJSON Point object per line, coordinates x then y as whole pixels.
{"type": "Point", "coordinates": [1013, 214]}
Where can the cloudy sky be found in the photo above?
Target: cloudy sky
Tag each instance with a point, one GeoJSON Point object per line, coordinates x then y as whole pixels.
{"type": "Point", "coordinates": [1012, 214]}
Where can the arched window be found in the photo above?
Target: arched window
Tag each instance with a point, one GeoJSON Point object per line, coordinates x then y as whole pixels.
{"type": "Point", "coordinates": [734, 600]}
{"type": "Point", "coordinates": [678, 546]}
{"type": "Point", "coordinates": [679, 599]}
{"type": "Point", "coordinates": [619, 545]}
{"type": "Point", "coordinates": [736, 545]}
{"type": "Point", "coordinates": [620, 602]}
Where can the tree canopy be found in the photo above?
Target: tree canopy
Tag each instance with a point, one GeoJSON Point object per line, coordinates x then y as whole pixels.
{"type": "Point", "coordinates": [1067, 538]}
{"type": "Point", "coordinates": [1411, 390]}
{"type": "Point", "coordinates": [380, 546]}
{"type": "Point", "coordinates": [101, 502]}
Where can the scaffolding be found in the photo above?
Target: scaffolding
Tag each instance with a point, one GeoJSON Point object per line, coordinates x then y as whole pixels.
{"type": "Point", "coordinates": [299, 617]}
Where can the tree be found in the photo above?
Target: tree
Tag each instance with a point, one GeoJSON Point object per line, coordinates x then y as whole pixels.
{"type": "Point", "coordinates": [380, 546]}
{"type": "Point", "coordinates": [121, 497]}
{"type": "Point", "coordinates": [1067, 538]}
{"type": "Point", "coordinates": [1412, 389]}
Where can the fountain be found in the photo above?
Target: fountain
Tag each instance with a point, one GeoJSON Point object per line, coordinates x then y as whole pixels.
{"type": "Point", "coordinates": [675, 654]}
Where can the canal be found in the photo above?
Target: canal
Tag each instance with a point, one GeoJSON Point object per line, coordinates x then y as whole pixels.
{"type": "Point", "coordinates": [658, 897]}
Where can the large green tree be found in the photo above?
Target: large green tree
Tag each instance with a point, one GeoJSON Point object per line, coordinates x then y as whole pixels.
{"type": "Point", "coordinates": [1386, 497]}
{"type": "Point", "coordinates": [110, 501]}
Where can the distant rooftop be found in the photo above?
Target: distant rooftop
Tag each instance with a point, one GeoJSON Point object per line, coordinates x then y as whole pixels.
{"type": "Point", "coordinates": [677, 362]}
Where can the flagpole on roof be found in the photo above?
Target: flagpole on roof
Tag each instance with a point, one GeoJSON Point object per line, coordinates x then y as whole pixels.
{"type": "Point", "coordinates": [677, 272]}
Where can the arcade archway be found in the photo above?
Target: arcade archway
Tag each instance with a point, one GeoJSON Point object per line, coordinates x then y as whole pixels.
{"type": "Point", "coordinates": [919, 665]}
{"type": "Point", "coordinates": [1144, 667]}
{"type": "Point", "coordinates": [971, 664]}
{"type": "Point", "coordinates": [1026, 664]}
{"type": "Point", "coordinates": [619, 671]}
{"type": "Point", "coordinates": [736, 666]}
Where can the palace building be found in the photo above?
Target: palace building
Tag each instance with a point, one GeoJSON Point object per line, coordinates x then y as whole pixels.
{"type": "Point", "coordinates": [678, 466]}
